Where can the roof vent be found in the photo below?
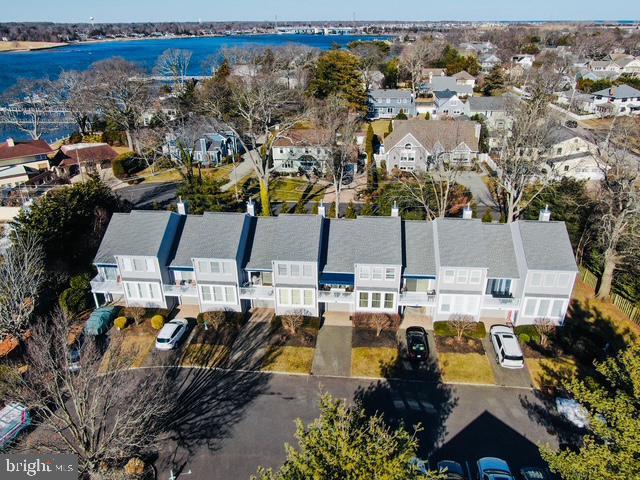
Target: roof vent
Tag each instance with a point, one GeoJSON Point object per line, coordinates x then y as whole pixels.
{"type": "Point", "coordinates": [10, 142]}
{"type": "Point", "coordinates": [322, 210]}
{"type": "Point", "coordinates": [545, 214]}
{"type": "Point", "coordinates": [395, 211]}
{"type": "Point", "coordinates": [182, 207]}
{"type": "Point", "coordinates": [251, 208]}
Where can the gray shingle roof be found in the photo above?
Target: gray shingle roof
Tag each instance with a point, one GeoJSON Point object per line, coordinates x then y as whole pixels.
{"type": "Point", "coordinates": [212, 235]}
{"type": "Point", "coordinates": [390, 93]}
{"type": "Point", "coordinates": [487, 104]}
{"type": "Point", "coordinates": [444, 94]}
{"type": "Point", "coordinates": [285, 237]}
{"type": "Point", "coordinates": [547, 246]}
{"type": "Point", "coordinates": [363, 240]}
{"type": "Point", "coordinates": [471, 243]}
{"type": "Point", "coordinates": [137, 233]}
{"type": "Point", "coordinates": [620, 91]}
{"type": "Point", "coordinates": [419, 250]}
{"type": "Point", "coordinates": [431, 132]}
{"type": "Point", "coordinates": [449, 83]}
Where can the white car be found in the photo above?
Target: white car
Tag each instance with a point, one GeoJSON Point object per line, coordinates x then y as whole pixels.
{"type": "Point", "coordinates": [505, 343]}
{"type": "Point", "coordinates": [171, 333]}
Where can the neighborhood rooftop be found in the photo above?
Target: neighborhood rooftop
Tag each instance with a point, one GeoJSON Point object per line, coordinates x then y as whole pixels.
{"type": "Point", "coordinates": [446, 133]}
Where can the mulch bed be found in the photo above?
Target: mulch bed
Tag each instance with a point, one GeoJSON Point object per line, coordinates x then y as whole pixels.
{"type": "Point", "coordinates": [366, 337]}
{"type": "Point", "coordinates": [214, 336]}
{"type": "Point", "coordinates": [305, 337]}
{"type": "Point", "coordinates": [452, 345]}
{"type": "Point", "coordinates": [533, 350]}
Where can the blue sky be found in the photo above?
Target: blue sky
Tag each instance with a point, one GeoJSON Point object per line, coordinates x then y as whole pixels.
{"type": "Point", "coordinates": [220, 10]}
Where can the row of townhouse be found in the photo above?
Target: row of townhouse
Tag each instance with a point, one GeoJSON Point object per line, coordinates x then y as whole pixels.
{"type": "Point", "coordinates": [232, 261]}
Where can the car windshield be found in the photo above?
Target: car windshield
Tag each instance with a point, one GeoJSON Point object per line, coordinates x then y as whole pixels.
{"type": "Point", "coordinates": [418, 347]}
{"type": "Point", "coordinates": [515, 358]}
{"type": "Point", "coordinates": [162, 340]}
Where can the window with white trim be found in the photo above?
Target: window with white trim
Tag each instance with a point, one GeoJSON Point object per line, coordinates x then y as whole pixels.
{"type": "Point", "coordinates": [295, 270]}
{"type": "Point", "coordinates": [138, 265]}
{"type": "Point", "coordinates": [464, 304]}
{"type": "Point", "coordinates": [544, 307]}
{"type": "Point", "coordinates": [377, 273]}
{"type": "Point", "coordinates": [475, 277]}
{"type": "Point", "coordinates": [449, 276]}
{"type": "Point", "coordinates": [143, 291]}
{"type": "Point", "coordinates": [462, 276]}
{"type": "Point", "coordinates": [218, 294]}
{"type": "Point", "coordinates": [295, 297]}
{"type": "Point", "coordinates": [376, 300]}
{"type": "Point", "coordinates": [549, 280]}
{"type": "Point", "coordinates": [365, 273]}
{"type": "Point", "coordinates": [213, 266]}
{"type": "Point", "coordinates": [536, 279]}
{"type": "Point", "coordinates": [389, 273]}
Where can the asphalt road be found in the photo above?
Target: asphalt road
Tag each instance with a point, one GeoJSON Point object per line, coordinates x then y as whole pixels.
{"type": "Point", "coordinates": [234, 422]}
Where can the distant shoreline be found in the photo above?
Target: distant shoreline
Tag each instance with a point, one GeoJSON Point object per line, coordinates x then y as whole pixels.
{"type": "Point", "coordinates": [23, 47]}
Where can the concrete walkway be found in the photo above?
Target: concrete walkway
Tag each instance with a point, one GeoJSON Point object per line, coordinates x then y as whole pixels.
{"type": "Point", "coordinates": [333, 351]}
{"type": "Point", "coordinates": [507, 377]}
{"type": "Point", "coordinates": [241, 170]}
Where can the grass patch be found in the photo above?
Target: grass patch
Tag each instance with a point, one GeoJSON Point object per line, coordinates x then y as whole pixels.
{"type": "Point", "coordinates": [445, 329]}
{"type": "Point", "coordinates": [290, 359]}
{"type": "Point", "coordinates": [132, 349]}
{"type": "Point", "coordinates": [550, 372]}
{"type": "Point", "coordinates": [373, 362]}
{"type": "Point", "coordinates": [161, 176]}
{"type": "Point", "coordinates": [219, 174]}
{"type": "Point", "coordinates": [288, 189]}
{"type": "Point", "coordinates": [381, 128]}
{"type": "Point", "coordinates": [204, 355]}
{"type": "Point", "coordinates": [465, 367]}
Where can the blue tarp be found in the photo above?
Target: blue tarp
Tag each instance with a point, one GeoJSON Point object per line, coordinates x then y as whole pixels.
{"type": "Point", "coordinates": [100, 320]}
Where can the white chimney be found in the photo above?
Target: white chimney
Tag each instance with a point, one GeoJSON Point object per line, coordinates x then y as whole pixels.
{"type": "Point", "coordinates": [321, 210]}
{"type": "Point", "coordinates": [182, 207]}
{"type": "Point", "coordinates": [395, 211]}
{"type": "Point", "coordinates": [10, 142]}
{"type": "Point", "coordinates": [467, 213]}
{"type": "Point", "coordinates": [545, 215]}
{"type": "Point", "coordinates": [251, 208]}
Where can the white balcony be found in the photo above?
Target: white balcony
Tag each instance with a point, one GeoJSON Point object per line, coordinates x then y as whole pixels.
{"type": "Point", "coordinates": [256, 292]}
{"type": "Point", "coordinates": [333, 296]}
{"type": "Point", "coordinates": [416, 299]}
{"type": "Point", "coordinates": [500, 303]}
{"type": "Point", "coordinates": [99, 284]}
{"type": "Point", "coordinates": [187, 290]}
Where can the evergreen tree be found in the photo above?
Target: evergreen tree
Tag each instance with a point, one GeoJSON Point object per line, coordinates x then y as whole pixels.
{"type": "Point", "coordinates": [611, 448]}
{"type": "Point", "coordinates": [367, 209]}
{"type": "Point", "coordinates": [488, 216]}
{"type": "Point", "coordinates": [344, 443]}
{"type": "Point", "coordinates": [332, 210]}
{"type": "Point", "coordinates": [494, 81]}
{"type": "Point", "coordinates": [337, 72]}
{"type": "Point", "coordinates": [351, 211]}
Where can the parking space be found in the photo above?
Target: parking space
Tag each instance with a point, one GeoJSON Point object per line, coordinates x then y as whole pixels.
{"type": "Point", "coordinates": [506, 377]}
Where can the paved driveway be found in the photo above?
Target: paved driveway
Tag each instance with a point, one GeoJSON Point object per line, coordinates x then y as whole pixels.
{"type": "Point", "coordinates": [332, 355]}
{"type": "Point", "coordinates": [238, 421]}
{"type": "Point", "coordinates": [508, 377]}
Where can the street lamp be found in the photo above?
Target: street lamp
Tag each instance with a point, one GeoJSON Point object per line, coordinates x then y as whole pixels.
{"type": "Point", "coordinates": [173, 476]}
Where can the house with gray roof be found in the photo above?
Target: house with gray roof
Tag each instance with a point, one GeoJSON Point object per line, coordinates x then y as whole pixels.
{"type": "Point", "coordinates": [418, 144]}
{"type": "Point", "coordinates": [617, 100]}
{"type": "Point", "coordinates": [441, 269]}
{"type": "Point", "coordinates": [210, 149]}
{"type": "Point", "coordinates": [461, 86]}
{"type": "Point", "coordinates": [388, 103]}
{"type": "Point", "coordinates": [448, 104]}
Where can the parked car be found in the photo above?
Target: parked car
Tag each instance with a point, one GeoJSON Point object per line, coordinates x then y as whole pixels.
{"type": "Point", "coordinates": [75, 341]}
{"type": "Point", "coordinates": [453, 470]}
{"type": "Point", "coordinates": [417, 346]}
{"type": "Point", "coordinates": [171, 334]}
{"type": "Point", "coordinates": [14, 418]}
{"type": "Point", "coordinates": [535, 473]}
{"type": "Point", "coordinates": [505, 343]}
{"type": "Point", "coordinates": [492, 468]}
{"type": "Point", "coordinates": [100, 320]}
{"type": "Point", "coordinates": [571, 124]}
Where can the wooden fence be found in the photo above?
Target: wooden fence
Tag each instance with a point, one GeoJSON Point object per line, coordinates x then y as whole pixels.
{"type": "Point", "coordinates": [627, 307]}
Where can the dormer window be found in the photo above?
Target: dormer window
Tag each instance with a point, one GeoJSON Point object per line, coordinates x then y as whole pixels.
{"type": "Point", "coordinates": [408, 146]}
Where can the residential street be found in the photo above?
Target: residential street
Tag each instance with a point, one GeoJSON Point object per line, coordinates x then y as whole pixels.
{"type": "Point", "coordinates": [234, 421]}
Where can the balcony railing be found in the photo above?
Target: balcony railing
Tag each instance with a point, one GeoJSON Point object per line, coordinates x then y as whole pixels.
{"type": "Point", "coordinates": [99, 284]}
{"type": "Point", "coordinates": [500, 302]}
{"type": "Point", "coordinates": [256, 292]}
{"type": "Point", "coordinates": [335, 296]}
{"type": "Point", "coordinates": [187, 290]}
{"type": "Point", "coordinates": [416, 299]}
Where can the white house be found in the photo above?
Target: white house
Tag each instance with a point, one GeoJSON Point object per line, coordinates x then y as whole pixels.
{"type": "Point", "coordinates": [301, 149]}
{"type": "Point", "coordinates": [447, 103]}
{"type": "Point", "coordinates": [617, 100]}
{"type": "Point", "coordinates": [572, 155]}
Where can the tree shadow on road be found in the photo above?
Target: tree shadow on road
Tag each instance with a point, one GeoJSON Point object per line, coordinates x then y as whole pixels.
{"type": "Point", "coordinates": [427, 403]}
{"type": "Point", "coordinates": [213, 393]}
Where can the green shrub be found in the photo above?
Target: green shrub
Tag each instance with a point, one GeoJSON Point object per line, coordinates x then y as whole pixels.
{"type": "Point", "coordinates": [157, 322]}
{"type": "Point", "coordinates": [120, 323]}
{"type": "Point", "coordinates": [524, 338]}
{"type": "Point", "coordinates": [76, 298]}
{"type": "Point", "coordinates": [123, 164]}
{"type": "Point", "coordinates": [530, 331]}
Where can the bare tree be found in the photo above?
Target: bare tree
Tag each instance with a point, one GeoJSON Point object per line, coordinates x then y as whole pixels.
{"type": "Point", "coordinates": [120, 92]}
{"type": "Point", "coordinates": [521, 170]}
{"type": "Point", "coordinates": [380, 321]}
{"type": "Point", "coordinates": [174, 63]}
{"type": "Point", "coordinates": [97, 411]}
{"type": "Point", "coordinates": [27, 106]}
{"type": "Point", "coordinates": [545, 328]}
{"type": "Point", "coordinates": [22, 275]}
{"type": "Point", "coordinates": [432, 189]}
{"type": "Point", "coordinates": [264, 110]}
{"type": "Point", "coordinates": [415, 56]}
{"type": "Point", "coordinates": [295, 61]}
{"type": "Point", "coordinates": [371, 56]}
{"type": "Point", "coordinates": [293, 321]}
{"type": "Point", "coordinates": [338, 131]}
{"type": "Point", "coordinates": [135, 313]}
{"type": "Point", "coordinates": [618, 201]}
{"type": "Point", "coordinates": [462, 324]}
{"type": "Point", "coordinates": [73, 95]}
